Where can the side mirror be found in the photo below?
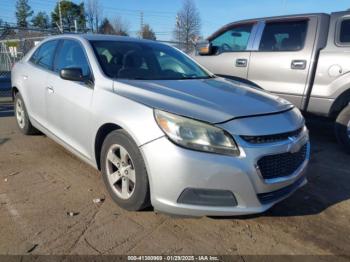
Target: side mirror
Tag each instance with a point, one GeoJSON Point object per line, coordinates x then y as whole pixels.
{"type": "Point", "coordinates": [72, 74]}
{"type": "Point", "coordinates": [204, 48]}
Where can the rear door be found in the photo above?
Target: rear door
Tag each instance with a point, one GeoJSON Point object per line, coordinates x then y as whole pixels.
{"type": "Point", "coordinates": [333, 65]}
{"type": "Point", "coordinates": [69, 102]}
{"type": "Point", "coordinates": [282, 62]}
{"type": "Point", "coordinates": [35, 79]}
{"type": "Point", "coordinates": [230, 56]}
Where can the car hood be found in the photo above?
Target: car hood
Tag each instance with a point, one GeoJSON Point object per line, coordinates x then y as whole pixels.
{"type": "Point", "coordinates": [213, 100]}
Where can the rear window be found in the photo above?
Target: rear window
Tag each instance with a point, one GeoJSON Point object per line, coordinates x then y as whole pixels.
{"type": "Point", "coordinates": [43, 57]}
{"type": "Point", "coordinates": [283, 36]}
{"type": "Point", "coordinates": [345, 31]}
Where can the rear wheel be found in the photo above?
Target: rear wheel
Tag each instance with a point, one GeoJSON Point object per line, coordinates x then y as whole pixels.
{"type": "Point", "coordinates": [342, 128]}
{"type": "Point", "coordinates": [124, 171]}
{"type": "Point", "coordinates": [22, 118]}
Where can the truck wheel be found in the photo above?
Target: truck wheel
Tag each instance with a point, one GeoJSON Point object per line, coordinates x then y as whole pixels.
{"type": "Point", "coordinates": [22, 118]}
{"type": "Point", "coordinates": [342, 128]}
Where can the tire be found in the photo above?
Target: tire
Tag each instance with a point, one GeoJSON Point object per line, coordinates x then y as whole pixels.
{"type": "Point", "coordinates": [130, 189]}
{"type": "Point", "coordinates": [22, 118]}
{"type": "Point", "coordinates": [342, 128]}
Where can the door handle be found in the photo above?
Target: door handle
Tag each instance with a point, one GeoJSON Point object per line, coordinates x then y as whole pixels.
{"type": "Point", "coordinates": [50, 89]}
{"type": "Point", "coordinates": [241, 62]}
{"type": "Point", "coordinates": [25, 77]}
{"type": "Point", "coordinates": [298, 64]}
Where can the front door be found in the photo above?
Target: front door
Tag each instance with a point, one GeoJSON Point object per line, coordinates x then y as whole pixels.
{"type": "Point", "coordinates": [69, 102]}
{"type": "Point", "coordinates": [229, 57]}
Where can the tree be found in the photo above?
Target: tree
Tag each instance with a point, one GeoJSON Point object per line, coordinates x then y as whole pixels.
{"type": "Point", "coordinates": [41, 20]}
{"type": "Point", "coordinates": [6, 31]}
{"type": "Point", "coordinates": [148, 33]}
{"type": "Point", "coordinates": [93, 14]}
{"type": "Point", "coordinates": [106, 28]}
{"type": "Point", "coordinates": [188, 25]}
{"type": "Point", "coordinates": [121, 26]}
{"type": "Point", "coordinates": [70, 12]}
{"type": "Point", "coordinates": [23, 12]}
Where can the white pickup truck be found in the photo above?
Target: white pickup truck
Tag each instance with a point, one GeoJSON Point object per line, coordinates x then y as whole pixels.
{"type": "Point", "coordinates": [302, 58]}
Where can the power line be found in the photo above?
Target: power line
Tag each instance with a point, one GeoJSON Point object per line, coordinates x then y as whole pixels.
{"type": "Point", "coordinates": [149, 16]}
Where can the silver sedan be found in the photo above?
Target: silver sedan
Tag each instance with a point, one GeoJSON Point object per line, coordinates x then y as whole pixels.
{"type": "Point", "coordinates": [162, 130]}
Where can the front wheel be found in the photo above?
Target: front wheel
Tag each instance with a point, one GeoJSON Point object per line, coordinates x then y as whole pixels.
{"type": "Point", "coordinates": [124, 171]}
{"type": "Point", "coordinates": [342, 128]}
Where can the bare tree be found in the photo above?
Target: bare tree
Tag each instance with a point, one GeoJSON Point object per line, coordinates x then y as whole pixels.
{"type": "Point", "coordinates": [121, 26]}
{"type": "Point", "coordinates": [188, 25]}
{"type": "Point", "coordinates": [94, 13]}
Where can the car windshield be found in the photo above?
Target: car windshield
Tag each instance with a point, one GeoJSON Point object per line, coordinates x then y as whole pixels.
{"type": "Point", "coordinates": [145, 61]}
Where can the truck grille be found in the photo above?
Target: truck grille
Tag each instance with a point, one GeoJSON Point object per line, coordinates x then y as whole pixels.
{"type": "Point", "coordinates": [271, 138]}
{"type": "Point", "coordinates": [282, 164]}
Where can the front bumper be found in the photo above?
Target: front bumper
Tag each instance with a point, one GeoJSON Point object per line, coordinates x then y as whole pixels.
{"type": "Point", "coordinates": [173, 169]}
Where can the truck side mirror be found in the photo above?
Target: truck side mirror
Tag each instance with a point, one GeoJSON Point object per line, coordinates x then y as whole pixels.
{"type": "Point", "coordinates": [204, 48]}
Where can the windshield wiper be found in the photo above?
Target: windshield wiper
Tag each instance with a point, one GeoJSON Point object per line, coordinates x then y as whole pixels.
{"type": "Point", "coordinates": [194, 78]}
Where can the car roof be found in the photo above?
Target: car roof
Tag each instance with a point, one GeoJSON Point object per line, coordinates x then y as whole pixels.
{"type": "Point", "coordinates": [100, 37]}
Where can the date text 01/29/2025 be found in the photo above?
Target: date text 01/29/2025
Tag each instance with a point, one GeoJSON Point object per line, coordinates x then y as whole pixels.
{"type": "Point", "coordinates": [173, 258]}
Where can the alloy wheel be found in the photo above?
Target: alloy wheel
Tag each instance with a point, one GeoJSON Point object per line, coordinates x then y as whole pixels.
{"type": "Point", "coordinates": [120, 171]}
{"type": "Point", "coordinates": [20, 114]}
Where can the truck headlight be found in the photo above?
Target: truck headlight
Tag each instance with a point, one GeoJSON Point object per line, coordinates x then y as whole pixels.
{"type": "Point", "coordinates": [196, 135]}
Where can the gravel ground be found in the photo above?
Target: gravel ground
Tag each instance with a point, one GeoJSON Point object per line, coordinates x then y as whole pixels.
{"type": "Point", "coordinates": [40, 182]}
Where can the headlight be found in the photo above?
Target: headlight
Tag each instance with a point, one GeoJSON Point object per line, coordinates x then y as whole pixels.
{"type": "Point", "coordinates": [195, 134]}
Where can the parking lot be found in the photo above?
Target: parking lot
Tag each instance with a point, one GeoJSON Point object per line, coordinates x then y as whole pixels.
{"type": "Point", "coordinates": [40, 182]}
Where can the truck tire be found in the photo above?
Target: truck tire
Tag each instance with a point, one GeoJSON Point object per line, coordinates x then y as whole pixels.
{"type": "Point", "coordinates": [342, 128]}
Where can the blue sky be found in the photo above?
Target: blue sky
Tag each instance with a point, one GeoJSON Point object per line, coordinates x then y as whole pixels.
{"type": "Point", "coordinates": [160, 14]}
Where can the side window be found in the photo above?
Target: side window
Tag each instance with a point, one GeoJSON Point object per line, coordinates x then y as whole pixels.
{"type": "Point", "coordinates": [71, 55]}
{"type": "Point", "coordinates": [233, 40]}
{"type": "Point", "coordinates": [284, 36]}
{"type": "Point", "coordinates": [34, 56]}
{"type": "Point", "coordinates": [344, 36]}
{"type": "Point", "coordinates": [44, 56]}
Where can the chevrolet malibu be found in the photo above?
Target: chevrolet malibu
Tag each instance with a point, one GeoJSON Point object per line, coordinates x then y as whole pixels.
{"type": "Point", "coordinates": [162, 130]}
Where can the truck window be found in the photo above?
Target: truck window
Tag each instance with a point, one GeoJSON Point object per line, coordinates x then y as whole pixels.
{"type": "Point", "coordinates": [233, 40]}
{"type": "Point", "coordinates": [345, 31]}
{"type": "Point", "coordinates": [283, 36]}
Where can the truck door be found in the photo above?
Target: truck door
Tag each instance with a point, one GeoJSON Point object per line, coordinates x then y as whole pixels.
{"type": "Point", "coordinates": [230, 55]}
{"type": "Point", "coordinates": [282, 60]}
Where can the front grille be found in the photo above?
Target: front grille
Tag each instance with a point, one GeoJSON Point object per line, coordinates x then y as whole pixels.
{"type": "Point", "coordinates": [282, 164]}
{"type": "Point", "coordinates": [270, 197]}
{"type": "Point", "coordinates": [271, 138]}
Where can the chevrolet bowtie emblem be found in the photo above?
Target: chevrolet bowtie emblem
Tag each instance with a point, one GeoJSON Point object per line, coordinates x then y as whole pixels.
{"type": "Point", "coordinates": [293, 147]}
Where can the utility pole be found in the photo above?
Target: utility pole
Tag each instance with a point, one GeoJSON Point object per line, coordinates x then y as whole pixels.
{"type": "Point", "coordinates": [141, 23]}
{"type": "Point", "coordinates": [284, 7]}
{"type": "Point", "coordinates": [75, 26]}
{"type": "Point", "coordinates": [60, 14]}
{"type": "Point", "coordinates": [178, 25]}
